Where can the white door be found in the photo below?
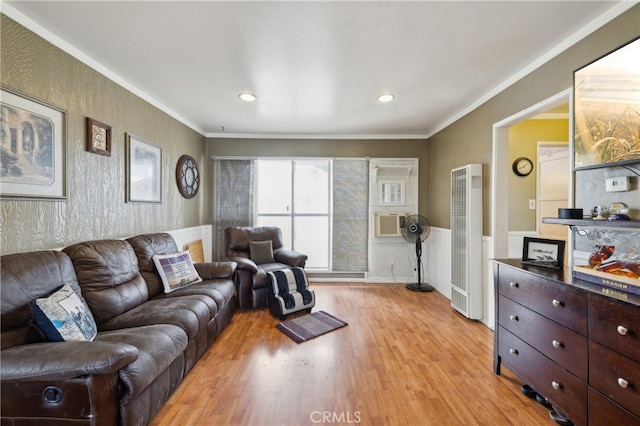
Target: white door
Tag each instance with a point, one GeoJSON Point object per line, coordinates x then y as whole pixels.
{"type": "Point", "coordinates": [552, 187]}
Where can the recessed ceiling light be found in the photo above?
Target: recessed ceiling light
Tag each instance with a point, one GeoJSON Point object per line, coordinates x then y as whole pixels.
{"type": "Point", "coordinates": [248, 97]}
{"type": "Point", "coordinates": [385, 98]}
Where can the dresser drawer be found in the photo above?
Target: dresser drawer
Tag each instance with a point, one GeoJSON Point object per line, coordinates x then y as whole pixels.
{"type": "Point", "coordinates": [562, 388]}
{"type": "Point", "coordinates": [559, 302]}
{"type": "Point", "coordinates": [615, 324]}
{"type": "Point", "coordinates": [604, 412]}
{"type": "Point", "coordinates": [616, 376]}
{"type": "Point", "coordinates": [562, 345]}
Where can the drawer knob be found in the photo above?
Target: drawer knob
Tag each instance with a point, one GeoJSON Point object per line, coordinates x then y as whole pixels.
{"type": "Point", "coordinates": [622, 383]}
{"type": "Point", "coordinates": [556, 344]}
{"type": "Point", "coordinates": [514, 318]}
{"type": "Point", "coordinates": [514, 284]}
{"type": "Point", "coordinates": [622, 330]}
{"type": "Point", "coordinates": [555, 385]}
{"type": "Point", "coordinates": [513, 351]}
{"type": "Point", "coordinates": [556, 303]}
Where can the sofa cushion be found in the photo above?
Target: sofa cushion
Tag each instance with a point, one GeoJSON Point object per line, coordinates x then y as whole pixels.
{"type": "Point", "coordinates": [145, 246]}
{"type": "Point", "coordinates": [64, 317]}
{"type": "Point", "coordinates": [25, 277]}
{"type": "Point", "coordinates": [108, 274]}
{"type": "Point", "coordinates": [216, 294]}
{"type": "Point", "coordinates": [176, 270]}
{"type": "Point", "coordinates": [261, 251]}
{"type": "Point", "coordinates": [191, 315]}
{"type": "Point", "coordinates": [158, 347]}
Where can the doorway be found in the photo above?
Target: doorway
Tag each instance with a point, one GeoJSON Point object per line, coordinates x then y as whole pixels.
{"type": "Point", "coordinates": [500, 169]}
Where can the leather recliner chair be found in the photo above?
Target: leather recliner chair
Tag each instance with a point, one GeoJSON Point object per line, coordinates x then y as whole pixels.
{"type": "Point", "coordinates": [251, 277]}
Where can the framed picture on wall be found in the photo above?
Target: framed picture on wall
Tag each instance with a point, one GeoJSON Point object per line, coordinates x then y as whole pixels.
{"type": "Point", "coordinates": [98, 137]}
{"type": "Point", "coordinates": [607, 109]}
{"type": "Point", "coordinates": [144, 171]}
{"type": "Point", "coordinates": [32, 140]}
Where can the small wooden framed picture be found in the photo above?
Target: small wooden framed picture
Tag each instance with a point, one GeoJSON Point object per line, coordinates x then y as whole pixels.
{"type": "Point", "coordinates": [98, 137]}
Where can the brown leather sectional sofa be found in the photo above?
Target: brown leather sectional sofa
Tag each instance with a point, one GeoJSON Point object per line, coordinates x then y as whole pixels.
{"type": "Point", "coordinates": [147, 340]}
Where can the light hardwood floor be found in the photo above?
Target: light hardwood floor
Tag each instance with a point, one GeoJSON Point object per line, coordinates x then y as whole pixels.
{"type": "Point", "coordinates": [405, 358]}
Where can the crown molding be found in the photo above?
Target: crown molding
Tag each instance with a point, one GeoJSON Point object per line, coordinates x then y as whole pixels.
{"type": "Point", "coordinates": [308, 136]}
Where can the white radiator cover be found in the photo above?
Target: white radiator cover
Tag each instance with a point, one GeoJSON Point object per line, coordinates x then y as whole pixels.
{"type": "Point", "coordinates": [466, 240]}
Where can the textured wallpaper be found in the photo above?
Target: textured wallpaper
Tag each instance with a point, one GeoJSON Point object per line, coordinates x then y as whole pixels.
{"type": "Point", "coordinates": [95, 206]}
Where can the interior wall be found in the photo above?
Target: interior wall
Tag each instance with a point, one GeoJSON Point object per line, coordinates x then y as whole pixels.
{"type": "Point", "coordinates": [469, 139]}
{"type": "Point", "coordinates": [523, 142]}
{"type": "Point", "coordinates": [95, 206]}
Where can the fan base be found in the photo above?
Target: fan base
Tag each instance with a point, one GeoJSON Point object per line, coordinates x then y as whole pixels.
{"type": "Point", "coordinates": [420, 287]}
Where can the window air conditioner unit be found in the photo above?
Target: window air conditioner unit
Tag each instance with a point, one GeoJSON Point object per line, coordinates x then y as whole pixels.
{"type": "Point", "coordinates": [390, 225]}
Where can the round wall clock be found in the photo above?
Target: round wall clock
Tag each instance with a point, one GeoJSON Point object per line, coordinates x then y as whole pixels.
{"type": "Point", "coordinates": [522, 166]}
{"type": "Point", "coordinates": [187, 176]}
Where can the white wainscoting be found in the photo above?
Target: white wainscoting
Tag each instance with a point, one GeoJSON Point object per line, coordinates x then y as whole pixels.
{"type": "Point", "coordinates": [437, 262]}
{"type": "Point", "coordinates": [489, 299]}
{"type": "Point", "coordinates": [386, 251]}
{"type": "Point", "coordinates": [516, 242]}
{"type": "Point", "coordinates": [185, 236]}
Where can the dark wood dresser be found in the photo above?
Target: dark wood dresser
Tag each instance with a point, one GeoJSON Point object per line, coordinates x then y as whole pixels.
{"type": "Point", "coordinates": [575, 343]}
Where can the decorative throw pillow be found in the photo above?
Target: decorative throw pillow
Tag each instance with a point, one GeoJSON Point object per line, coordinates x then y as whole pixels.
{"type": "Point", "coordinates": [176, 270]}
{"type": "Point", "coordinates": [261, 252]}
{"type": "Point", "coordinates": [63, 317]}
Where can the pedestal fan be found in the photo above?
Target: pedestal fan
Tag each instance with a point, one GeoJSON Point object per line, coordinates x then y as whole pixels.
{"type": "Point", "coordinates": [415, 230]}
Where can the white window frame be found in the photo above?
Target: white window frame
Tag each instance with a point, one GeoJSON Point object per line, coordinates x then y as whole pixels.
{"type": "Point", "coordinates": [387, 189]}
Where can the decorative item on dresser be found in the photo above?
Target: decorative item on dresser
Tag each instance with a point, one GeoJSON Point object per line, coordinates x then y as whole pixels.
{"type": "Point", "coordinates": [614, 260]}
{"type": "Point", "coordinates": [575, 343]}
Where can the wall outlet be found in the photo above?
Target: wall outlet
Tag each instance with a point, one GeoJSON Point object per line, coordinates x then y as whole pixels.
{"type": "Point", "coordinates": [617, 184]}
{"type": "Point", "coordinates": [532, 204]}
{"type": "Point", "coordinates": [392, 262]}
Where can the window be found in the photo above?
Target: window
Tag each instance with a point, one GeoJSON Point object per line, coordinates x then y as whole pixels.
{"type": "Point", "coordinates": [391, 193]}
{"type": "Point", "coordinates": [321, 205]}
{"type": "Point", "coordinates": [294, 195]}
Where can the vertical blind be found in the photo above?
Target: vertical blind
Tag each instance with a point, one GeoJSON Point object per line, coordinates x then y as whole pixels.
{"type": "Point", "coordinates": [233, 185]}
{"type": "Point", "coordinates": [350, 215]}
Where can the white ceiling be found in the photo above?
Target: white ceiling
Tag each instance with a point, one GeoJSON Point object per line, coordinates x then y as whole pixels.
{"type": "Point", "coordinates": [316, 67]}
